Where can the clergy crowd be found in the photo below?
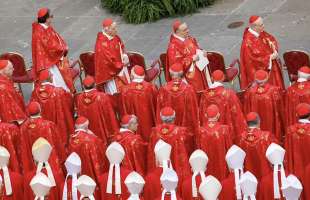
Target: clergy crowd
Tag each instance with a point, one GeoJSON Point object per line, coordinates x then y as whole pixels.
{"type": "Point", "coordinates": [122, 137]}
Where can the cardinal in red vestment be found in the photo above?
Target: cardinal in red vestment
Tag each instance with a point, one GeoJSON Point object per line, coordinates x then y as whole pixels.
{"type": "Point", "coordinates": [89, 147]}
{"type": "Point", "coordinates": [134, 183]}
{"type": "Point", "coordinates": [267, 101]}
{"type": "Point", "coordinates": [103, 122]}
{"type": "Point", "coordinates": [12, 108]}
{"type": "Point", "coordinates": [41, 151]}
{"type": "Point", "coordinates": [41, 187]}
{"type": "Point", "coordinates": [306, 182]}
{"type": "Point", "coordinates": [181, 97]}
{"type": "Point", "coordinates": [226, 99]}
{"type": "Point", "coordinates": [10, 139]}
{"type": "Point", "coordinates": [11, 182]}
{"type": "Point", "coordinates": [298, 140]}
{"type": "Point", "coordinates": [259, 51]}
{"type": "Point", "coordinates": [198, 161]}
{"type": "Point", "coordinates": [182, 49]}
{"type": "Point", "coordinates": [112, 184]}
{"type": "Point", "coordinates": [162, 151]}
{"type": "Point", "coordinates": [214, 138]}
{"type": "Point", "coordinates": [255, 142]}
{"type": "Point", "coordinates": [271, 184]}
{"type": "Point", "coordinates": [49, 51]}
{"type": "Point", "coordinates": [73, 168]}
{"type": "Point", "coordinates": [169, 181]}
{"type": "Point", "coordinates": [111, 61]}
{"type": "Point", "coordinates": [230, 185]}
{"type": "Point", "coordinates": [139, 98]}
{"type": "Point", "coordinates": [56, 105]}
{"type": "Point", "coordinates": [298, 92]}
{"type": "Point", "coordinates": [32, 129]}
{"type": "Point", "coordinates": [133, 144]}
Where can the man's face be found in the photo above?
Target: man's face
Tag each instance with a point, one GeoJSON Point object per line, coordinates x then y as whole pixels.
{"type": "Point", "coordinates": [134, 125]}
{"type": "Point", "coordinates": [49, 20]}
{"type": "Point", "coordinates": [8, 70]}
{"type": "Point", "coordinates": [183, 30]}
{"type": "Point", "coordinates": [112, 30]}
{"type": "Point", "coordinates": [259, 25]}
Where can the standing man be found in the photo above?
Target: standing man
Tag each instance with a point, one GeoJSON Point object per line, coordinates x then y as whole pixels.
{"type": "Point", "coordinates": [183, 49]}
{"type": "Point", "coordinates": [259, 51]}
{"type": "Point", "coordinates": [49, 51]}
{"type": "Point", "coordinates": [111, 61]}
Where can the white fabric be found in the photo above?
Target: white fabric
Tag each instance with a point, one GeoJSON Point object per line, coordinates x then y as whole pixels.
{"type": "Point", "coordinates": [247, 197]}
{"type": "Point", "coordinates": [134, 197]}
{"type": "Point", "coordinates": [301, 80]}
{"type": "Point", "coordinates": [304, 121]}
{"type": "Point", "coordinates": [44, 25]}
{"type": "Point", "coordinates": [107, 35]}
{"type": "Point", "coordinates": [125, 61]}
{"type": "Point", "coordinates": [118, 188]}
{"type": "Point", "coordinates": [169, 181]}
{"type": "Point", "coordinates": [292, 188]}
{"type": "Point", "coordinates": [276, 185]}
{"type": "Point", "coordinates": [203, 61]}
{"type": "Point", "coordinates": [58, 80]}
{"type": "Point", "coordinates": [216, 84]}
{"type": "Point", "coordinates": [253, 32]}
{"type": "Point", "coordinates": [134, 183]}
{"type": "Point", "coordinates": [73, 189]}
{"type": "Point", "coordinates": [40, 185]}
{"type": "Point", "coordinates": [194, 184]}
{"type": "Point", "coordinates": [248, 184]}
{"type": "Point", "coordinates": [237, 174]}
{"type": "Point", "coordinates": [7, 180]}
{"type": "Point", "coordinates": [178, 37]}
{"type": "Point", "coordinates": [110, 87]}
{"type": "Point", "coordinates": [210, 188]}
{"type": "Point", "coordinates": [125, 130]}
{"type": "Point", "coordinates": [91, 197]}
{"type": "Point", "coordinates": [173, 195]}
{"type": "Point", "coordinates": [49, 171]}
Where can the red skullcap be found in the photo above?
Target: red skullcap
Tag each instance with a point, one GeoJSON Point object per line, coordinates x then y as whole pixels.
{"type": "Point", "coordinates": [252, 116]}
{"type": "Point", "coordinates": [44, 75]}
{"type": "Point", "coordinates": [212, 111]}
{"type": "Point", "coordinates": [253, 19]}
{"type": "Point", "coordinates": [88, 81]}
{"type": "Point", "coordinates": [107, 22]}
{"type": "Point", "coordinates": [176, 68]}
{"type": "Point", "coordinates": [34, 108]}
{"type": "Point", "coordinates": [126, 119]}
{"type": "Point", "coordinates": [304, 69]}
{"type": "Point", "coordinates": [81, 120]}
{"type": "Point", "coordinates": [3, 64]}
{"type": "Point", "coordinates": [42, 12]}
{"type": "Point", "coordinates": [176, 24]}
{"type": "Point", "coordinates": [138, 71]}
{"type": "Point", "coordinates": [167, 112]}
{"type": "Point", "coordinates": [303, 109]}
{"type": "Point", "coordinates": [218, 75]}
{"type": "Point", "coordinates": [261, 75]}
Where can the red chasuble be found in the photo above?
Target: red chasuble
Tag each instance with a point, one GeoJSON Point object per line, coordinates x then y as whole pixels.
{"type": "Point", "coordinates": [182, 52]}
{"type": "Point", "coordinates": [255, 55]}
{"type": "Point", "coordinates": [31, 130]}
{"type": "Point", "coordinates": [182, 98]}
{"type": "Point", "coordinates": [228, 188]}
{"type": "Point", "coordinates": [91, 149]}
{"type": "Point", "coordinates": [69, 189]}
{"type": "Point", "coordinates": [187, 192]}
{"type": "Point", "coordinates": [181, 142]}
{"type": "Point", "coordinates": [229, 106]}
{"type": "Point", "coordinates": [103, 179]}
{"type": "Point", "coordinates": [10, 139]}
{"type": "Point", "coordinates": [265, 189]}
{"type": "Point", "coordinates": [297, 142]}
{"type": "Point", "coordinates": [17, 186]}
{"type": "Point", "coordinates": [135, 150]}
{"type": "Point", "coordinates": [12, 106]}
{"type": "Point", "coordinates": [255, 143]}
{"type": "Point", "coordinates": [267, 101]}
{"type": "Point", "coordinates": [97, 108]}
{"type": "Point", "coordinates": [140, 99]}
{"type": "Point", "coordinates": [48, 48]}
{"type": "Point", "coordinates": [108, 61]}
{"type": "Point", "coordinates": [295, 94]}
{"type": "Point", "coordinates": [57, 106]}
{"type": "Point", "coordinates": [215, 140]}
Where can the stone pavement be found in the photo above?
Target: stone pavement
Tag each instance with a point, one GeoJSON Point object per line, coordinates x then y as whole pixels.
{"type": "Point", "coordinates": [78, 21]}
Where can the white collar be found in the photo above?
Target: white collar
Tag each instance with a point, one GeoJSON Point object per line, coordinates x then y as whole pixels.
{"type": "Point", "coordinates": [178, 37]}
{"type": "Point", "coordinates": [216, 84]}
{"type": "Point", "coordinates": [107, 35]}
{"type": "Point", "coordinates": [253, 32]}
{"type": "Point", "coordinates": [47, 83]}
{"type": "Point", "coordinates": [35, 116]}
{"type": "Point", "coordinates": [125, 130]}
{"type": "Point", "coordinates": [138, 80]}
{"type": "Point", "coordinates": [300, 80]}
{"type": "Point", "coordinates": [304, 121]}
{"type": "Point", "coordinates": [44, 25]}
{"type": "Point", "coordinates": [89, 90]}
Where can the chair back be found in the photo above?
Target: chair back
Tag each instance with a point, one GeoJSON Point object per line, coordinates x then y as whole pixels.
{"type": "Point", "coordinates": [294, 60]}
{"type": "Point", "coordinates": [216, 61]}
{"type": "Point", "coordinates": [135, 58]}
{"type": "Point", "coordinates": [87, 61]}
{"type": "Point", "coordinates": [153, 72]}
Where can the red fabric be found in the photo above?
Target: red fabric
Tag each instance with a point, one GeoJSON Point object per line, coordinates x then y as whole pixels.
{"type": "Point", "coordinates": [253, 19]}
{"type": "Point", "coordinates": [56, 106]}
{"type": "Point", "coordinates": [103, 186]}
{"type": "Point", "coordinates": [267, 101]}
{"type": "Point", "coordinates": [215, 140]}
{"type": "Point", "coordinates": [229, 106]}
{"type": "Point", "coordinates": [228, 188]}
{"type": "Point", "coordinates": [135, 151]}
{"type": "Point", "coordinates": [296, 142]}
{"type": "Point", "coordinates": [31, 130]}
{"type": "Point", "coordinates": [140, 99]}
{"type": "Point", "coordinates": [180, 140]}
{"type": "Point", "coordinates": [108, 62]}
{"type": "Point", "coordinates": [17, 187]}
{"type": "Point", "coordinates": [69, 189]}
{"type": "Point", "coordinates": [187, 192]}
{"type": "Point", "coordinates": [12, 106]}
{"type": "Point", "coordinates": [306, 183]}
{"type": "Point", "coordinates": [255, 143]}
{"type": "Point", "coordinates": [182, 98]}
{"type": "Point", "coordinates": [55, 192]}
{"type": "Point", "coordinates": [254, 55]}
{"type": "Point", "coordinates": [265, 189]}
{"type": "Point", "coordinates": [10, 139]}
{"type": "Point", "coordinates": [183, 52]}
{"type": "Point", "coordinates": [91, 149]}
{"type": "Point", "coordinates": [42, 12]}
{"type": "Point", "coordinates": [103, 122]}
{"type": "Point", "coordinates": [3, 63]}
{"type": "Point", "coordinates": [107, 22]}
{"type": "Point", "coordinates": [295, 94]}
